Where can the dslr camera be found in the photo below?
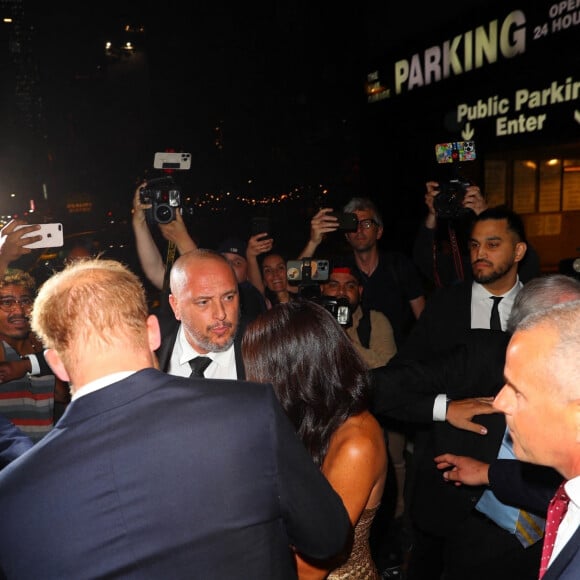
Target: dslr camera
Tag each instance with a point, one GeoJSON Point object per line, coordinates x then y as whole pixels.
{"type": "Point", "coordinates": [338, 307]}
{"type": "Point", "coordinates": [164, 195]}
{"type": "Point", "coordinates": [449, 202]}
{"type": "Point", "coordinates": [310, 273]}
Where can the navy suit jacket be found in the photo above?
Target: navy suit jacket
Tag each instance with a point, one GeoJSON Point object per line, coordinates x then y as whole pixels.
{"type": "Point", "coordinates": [158, 476]}
{"type": "Point", "coordinates": [13, 442]}
{"type": "Point", "coordinates": [524, 485]}
{"type": "Point", "coordinates": [566, 566]}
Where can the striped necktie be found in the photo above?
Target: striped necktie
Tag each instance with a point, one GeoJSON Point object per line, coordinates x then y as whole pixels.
{"type": "Point", "coordinates": [527, 527]}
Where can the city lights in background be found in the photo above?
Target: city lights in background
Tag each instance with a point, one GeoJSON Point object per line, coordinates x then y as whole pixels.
{"type": "Point", "coordinates": [217, 202]}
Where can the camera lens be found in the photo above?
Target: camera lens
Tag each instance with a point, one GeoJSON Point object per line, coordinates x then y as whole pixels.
{"type": "Point", "coordinates": [164, 214]}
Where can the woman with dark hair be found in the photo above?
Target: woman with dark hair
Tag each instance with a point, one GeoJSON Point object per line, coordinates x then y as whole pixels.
{"type": "Point", "coordinates": [323, 385]}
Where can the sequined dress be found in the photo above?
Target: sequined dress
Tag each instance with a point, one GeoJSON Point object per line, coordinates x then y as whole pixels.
{"type": "Point", "coordinates": [360, 565]}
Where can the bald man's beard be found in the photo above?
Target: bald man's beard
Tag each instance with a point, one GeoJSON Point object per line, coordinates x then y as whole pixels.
{"type": "Point", "coordinates": [204, 341]}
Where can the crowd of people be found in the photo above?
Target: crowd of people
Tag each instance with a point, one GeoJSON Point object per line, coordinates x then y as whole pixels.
{"type": "Point", "coordinates": [240, 428]}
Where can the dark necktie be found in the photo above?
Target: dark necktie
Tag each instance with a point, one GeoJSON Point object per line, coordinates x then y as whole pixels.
{"type": "Point", "coordinates": [556, 512]}
{"type": "Point", "coordinates": [494, 321]}
{"type": "Point", "coordinates": [198, 365]}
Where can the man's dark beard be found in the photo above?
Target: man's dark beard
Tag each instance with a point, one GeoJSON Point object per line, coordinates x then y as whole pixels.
{"type": "Point", "coordinates": [495, 275]}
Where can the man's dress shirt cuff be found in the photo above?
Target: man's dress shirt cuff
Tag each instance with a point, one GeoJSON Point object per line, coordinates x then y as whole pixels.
{"type": "Point", "coordinates": [440, 407]}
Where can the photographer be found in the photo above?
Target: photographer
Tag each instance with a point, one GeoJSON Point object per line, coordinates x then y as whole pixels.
{"type": "Point", "coordinates": [175, 231]}
{"type": "Point", "coordinates": [369, 330]}
{"type": "Point", "coordinates": [147, 250]}
{"type": "Point", "coordinates": [390, 279]}
{"type": "Point", "coordinates": [440, 249]}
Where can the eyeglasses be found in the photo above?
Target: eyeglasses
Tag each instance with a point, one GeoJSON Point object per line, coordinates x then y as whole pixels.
{"type": "Point", "coordinates": [8, 304]}
{"type": "Point", "coordinates": [367, 224]}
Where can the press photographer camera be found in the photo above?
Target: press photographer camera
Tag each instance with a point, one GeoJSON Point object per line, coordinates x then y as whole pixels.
{"type": "Point", "coordinates": [164, 195]}
{"type": "Point", "coordinates": [338, 307]}
{"type": "Point", "coordinates": [310, 273]}
{"type": "Point", "coordinates": [449, 202]}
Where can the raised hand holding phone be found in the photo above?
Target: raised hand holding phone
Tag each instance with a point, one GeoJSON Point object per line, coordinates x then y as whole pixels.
{"type": "Point", "coordinates": [51, 236]}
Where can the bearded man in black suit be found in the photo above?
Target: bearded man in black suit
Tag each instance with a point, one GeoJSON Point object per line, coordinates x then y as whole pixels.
{"type": "Point", "coordinates": [450, 536]}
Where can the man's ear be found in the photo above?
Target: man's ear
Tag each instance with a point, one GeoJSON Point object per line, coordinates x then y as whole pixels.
{"type": "Point", "coordinates": [520, 252]}
{"type": "Point", "coordinates": [153, 332]}
{"type": "Point", "coordinates": [379, 233]}
{"type": "Point", "coordinates": [55, 363]}
{"type": "Point", "coordinates": [174, 306]}
{"type": "Point", "coordinates": [574, 407]}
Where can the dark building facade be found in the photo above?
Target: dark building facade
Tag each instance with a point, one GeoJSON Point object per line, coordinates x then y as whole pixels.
{"type": "Point", "coordinates": [504, 75]}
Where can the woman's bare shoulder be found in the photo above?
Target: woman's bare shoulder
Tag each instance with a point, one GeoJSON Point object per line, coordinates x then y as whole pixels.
{"type": "Point", "coordinates": [359, 436]}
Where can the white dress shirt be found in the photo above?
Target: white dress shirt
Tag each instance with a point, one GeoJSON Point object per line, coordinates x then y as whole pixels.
{"type": "Point", "coordinates": [481, 305]}
{"type": "Point", "coordinates": [100, 383]}
{"type": "Point", "coordinates": [223, 365]}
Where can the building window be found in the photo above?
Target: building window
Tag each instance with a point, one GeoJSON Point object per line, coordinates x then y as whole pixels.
{"type": "Point", "coordinates": [495, 182]}
{"type": "Point", "coordinates": [571, 185]}
{"type": "Point", "coordinates": [548, 185]}
{"type": "Point", "coordinates": [524, 186]}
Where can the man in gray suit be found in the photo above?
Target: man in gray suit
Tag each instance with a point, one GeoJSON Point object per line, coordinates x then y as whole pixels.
{"type": "Point", "coordinates": [149, 475]}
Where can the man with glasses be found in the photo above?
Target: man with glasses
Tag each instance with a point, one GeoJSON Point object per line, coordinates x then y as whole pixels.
{"type": "Point", "coordinates": [392, 285]}
{"type": "Point", "coordinates": [390, 280]}
{"type": "Point", "coordinates": [27, 386]}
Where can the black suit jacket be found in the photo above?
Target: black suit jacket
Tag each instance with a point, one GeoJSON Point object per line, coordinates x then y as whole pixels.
{"type": "Point", "coordinates": [405, 389]}
{"type": "Point", "coordinates": [169, 329]}
{"type": "Point", "coordinates": [445, 322]}
{"type": "Point", "coordinates": [158, 476]}
{"type": "Point", "coordinates": [461, 362]}
{"type": "Point", "coordinates": [446, 356]}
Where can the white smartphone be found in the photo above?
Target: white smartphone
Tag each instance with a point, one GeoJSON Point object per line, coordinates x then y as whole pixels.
{"type": "Point", "coordinates": [179, 161]}
{"type": "Point", "coordinates": [52, 236]}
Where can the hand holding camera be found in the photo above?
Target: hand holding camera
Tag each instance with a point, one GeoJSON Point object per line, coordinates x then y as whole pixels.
{"type": "Point", "coordinates": [176, 232]}
{"type": "Point", "coordinates": [162, 198]}
{"type": "Point", "coordinates": [452, 199]}
{"type": "Point", "coordinates": [474, 200]}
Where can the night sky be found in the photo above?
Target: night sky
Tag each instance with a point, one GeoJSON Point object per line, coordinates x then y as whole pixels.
{"type": "Point", "coordinates": [267, 96]}
{"type": "Point", "coordinates": [278, 79]}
